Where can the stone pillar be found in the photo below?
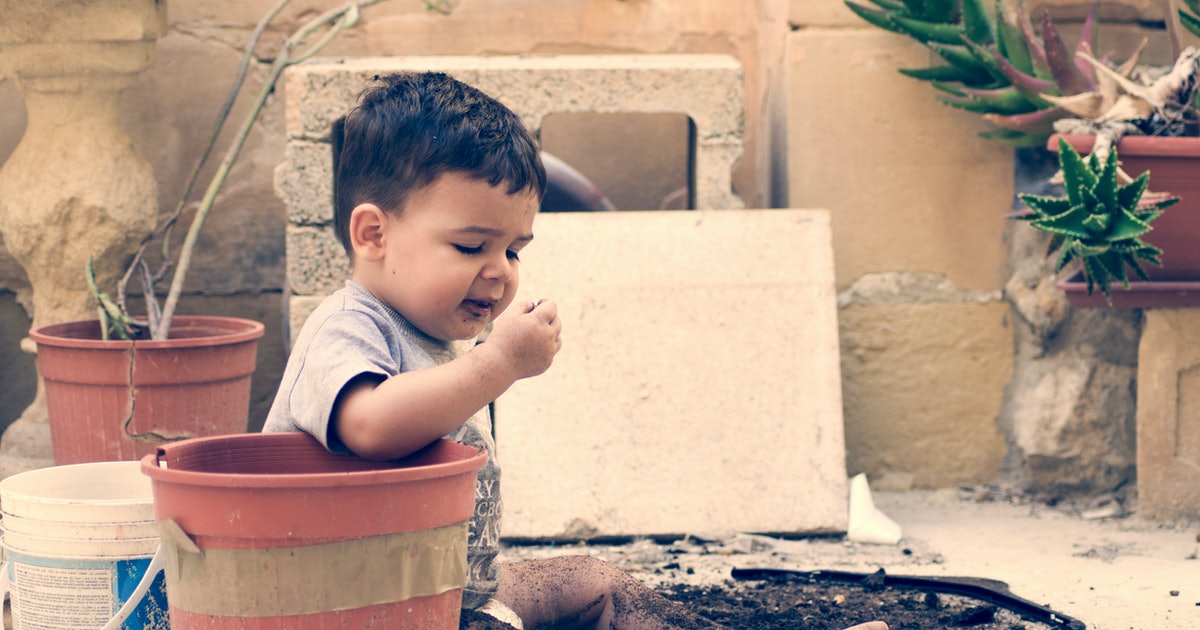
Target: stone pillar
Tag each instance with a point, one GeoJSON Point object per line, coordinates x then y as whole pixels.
{"type": "Point", "coordinates": [1168, 416]}
{"type": "Point", "coordinates": [75, 187]}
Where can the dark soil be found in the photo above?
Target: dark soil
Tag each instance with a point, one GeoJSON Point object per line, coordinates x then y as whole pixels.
{"type": "Point", "coordinates": [778, 603]}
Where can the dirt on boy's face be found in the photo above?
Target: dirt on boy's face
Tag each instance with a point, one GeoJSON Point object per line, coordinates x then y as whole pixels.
{"type": "Point", "coordinates": [451, 262]}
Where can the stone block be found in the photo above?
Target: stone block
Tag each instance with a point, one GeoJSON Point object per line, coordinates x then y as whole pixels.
{"type": "Point", "coordinates": [909, 185]}
{"type": "Point", "coordinates": [708, 88]}
{"type": "Point", "coordinates": [922, 382]}
{"type": "Point", "coordinates": [810, 13]}
{"type": "Point", "coordinates": [698, 387]}
{"type": "Point", "coordinates": [316, 262]}
{"type": "Point", "coordinates": [304, 181]}
{"type": "Point", "coordinates": [1168, 415]}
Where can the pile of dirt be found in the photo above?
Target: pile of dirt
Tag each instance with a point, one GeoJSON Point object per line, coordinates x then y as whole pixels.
{"type": "Point", "coordinates": [779, 603]}
{"type": "Point", "coordinates": [771, 604]}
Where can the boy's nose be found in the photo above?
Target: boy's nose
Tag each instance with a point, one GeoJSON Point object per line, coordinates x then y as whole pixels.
{"type": "Point", "coordinates": [498, 270]}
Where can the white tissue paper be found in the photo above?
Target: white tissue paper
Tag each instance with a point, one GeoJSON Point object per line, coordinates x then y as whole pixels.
{"type": "Point", "coordinates": [866, 523]}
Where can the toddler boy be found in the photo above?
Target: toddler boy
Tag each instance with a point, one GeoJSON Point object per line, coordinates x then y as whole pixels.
{"type": "Point", "coordinates": [435, 191]}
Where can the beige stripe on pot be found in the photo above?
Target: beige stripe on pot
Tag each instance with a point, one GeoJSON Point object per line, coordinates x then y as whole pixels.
{"type": "Point", "coordinates": [333, 576]}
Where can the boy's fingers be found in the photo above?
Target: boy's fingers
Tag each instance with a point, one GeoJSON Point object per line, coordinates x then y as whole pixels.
{"type": "Point", "coordinates": [548, 307]}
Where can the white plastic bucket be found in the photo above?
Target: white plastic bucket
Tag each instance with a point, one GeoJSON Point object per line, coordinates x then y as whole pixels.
{"type": "Point", "coordinates": [78, 540]}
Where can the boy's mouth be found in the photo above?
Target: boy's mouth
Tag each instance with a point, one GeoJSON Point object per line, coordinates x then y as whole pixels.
{"type": "Point", "coordinates": [479, 309]}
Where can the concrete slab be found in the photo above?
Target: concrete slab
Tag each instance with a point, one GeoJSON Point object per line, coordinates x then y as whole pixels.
{"type": "Point", "coordinates": [1168, 414]}
{"type": "Point", "coordinates": [698, 388]}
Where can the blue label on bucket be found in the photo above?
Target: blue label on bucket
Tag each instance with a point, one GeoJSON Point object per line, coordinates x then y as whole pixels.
{"type": "Point", "coordinates": [56, 593]}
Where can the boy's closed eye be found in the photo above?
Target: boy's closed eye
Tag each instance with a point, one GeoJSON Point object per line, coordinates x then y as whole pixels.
{"type": "Point", "coordinates": [476, 250]}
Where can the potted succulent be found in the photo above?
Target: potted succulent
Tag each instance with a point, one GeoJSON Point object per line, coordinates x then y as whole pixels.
{"type": "Point", "coordinates": [1032, 85]}
{"type": "Point", "coordinates": [1100, 221]}
{"type": "Point", "coordinates": [119, 385]}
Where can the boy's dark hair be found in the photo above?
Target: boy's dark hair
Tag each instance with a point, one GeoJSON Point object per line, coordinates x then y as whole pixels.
{"type": "Point", "coordinates": [410, 128]}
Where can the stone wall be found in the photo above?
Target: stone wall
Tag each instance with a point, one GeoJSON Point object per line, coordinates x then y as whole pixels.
{"type": "Point", "coordinates": [171, 109]}
{"type": "Point", "coordinates": [919, 238]}
{"type": "Point", "coordinates": [917, 202]}
{"type": "Point", "coordinates": [944, 380]}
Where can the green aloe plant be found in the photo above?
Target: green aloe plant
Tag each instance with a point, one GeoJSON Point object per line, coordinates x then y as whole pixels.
{"type": "Point", "coordinates": [1189, 15]}
{"type": "Point", "coordinates": [1099, 222]}
{"type": "Point", "coordinates": [994, 64]}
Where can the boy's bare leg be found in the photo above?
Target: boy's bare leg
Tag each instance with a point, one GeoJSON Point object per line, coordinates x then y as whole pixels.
{"type": "Point", "coordinates": [586, 592]}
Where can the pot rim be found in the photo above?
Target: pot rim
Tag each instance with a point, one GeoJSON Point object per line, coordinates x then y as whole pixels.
{"type": "Point", "coordinates": [1162, 146]}
{"type": "Point", "coordinates": [200, 330]}
{"type": "Point", "coordinates": [451, 459]}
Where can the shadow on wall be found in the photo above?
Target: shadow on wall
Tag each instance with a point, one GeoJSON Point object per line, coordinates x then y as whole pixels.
{"type": "Point", "coordinates": [642, 161]}
{"type": "Point", "coordinates": [18, 369]}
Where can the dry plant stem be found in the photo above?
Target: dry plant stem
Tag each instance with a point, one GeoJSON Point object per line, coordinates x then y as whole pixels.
{"type": "Point", "coordinates": [337, 20]}
{"type": "Point", "coordinates": [138, 264]}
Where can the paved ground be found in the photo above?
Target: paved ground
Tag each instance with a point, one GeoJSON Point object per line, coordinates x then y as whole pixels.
{"type": "Point", "coordinates": [1113, 573]}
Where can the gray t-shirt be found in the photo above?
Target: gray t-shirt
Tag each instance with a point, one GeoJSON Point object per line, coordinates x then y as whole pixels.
{"type": "Point", "coordinates": [353, 333]}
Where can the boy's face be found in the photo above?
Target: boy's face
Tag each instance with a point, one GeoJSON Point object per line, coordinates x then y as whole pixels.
{"type": "Point", "coordinates": [451, 263]}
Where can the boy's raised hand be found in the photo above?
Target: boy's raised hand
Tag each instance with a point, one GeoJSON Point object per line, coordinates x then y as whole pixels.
{"type": "Point", "coordinates": [528, 336]}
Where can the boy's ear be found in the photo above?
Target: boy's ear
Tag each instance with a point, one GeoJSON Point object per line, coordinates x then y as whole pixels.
{"type": "Point", "coordinates": [367, 222]}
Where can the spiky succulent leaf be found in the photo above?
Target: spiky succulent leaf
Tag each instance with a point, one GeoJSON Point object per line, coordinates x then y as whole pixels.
{"type": "Point", "coordinates": [949, 87]}
{"type": "Point", "coordinates": [1087, 44]}
{"type": "Point", "coordinates": [1189, 17]}
{"type": "Point", "coordinates": [1015, 139]}
{"type": "Point", "coordinates": [1114, 265]}
{"type": "Point", "coordinates": [961, 57]}
{"type": "Point", "coordinates": [1075, 223]}
{"type": "Point", "coordinates": [1106, 184]}
{"type": "Point", "coordinates": [1098, 222]}
{"type": "Point", "coordinates": [1005, 101]}
{"type": "Point", "coordinates": [945, 74]}
{"type": "Point", "coordinates": [990, 45]}
{"type": "Point", "coordinates": [1009, 43]}
{"type": "Point", "coordinates": [978, 21]}
{"type": "Point", "coordinates": [915, 8]}
{"type": "Point", "coordinates": [938, 10]}
{"type": "Point", "coordinates": [1127, 226]}
{"type": "Point", "coordinates": [1062, 60]}
{"type": "Point", "coordinates": [1045, 207]}
{"type": "Point", "coordinates": [891, 6]}
{"type": "Point", "coordinates": [1129, 194]}
{"type": "Point", "coordinates": [875, 17]}
{"type": "Point", "coordinates": [926, 32]}
{"type": "Point", "coordinates": [1078, 175]}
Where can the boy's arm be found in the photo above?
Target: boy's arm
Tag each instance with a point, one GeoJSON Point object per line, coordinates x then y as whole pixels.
{"type": "Point", "coordinates": [390, 418]}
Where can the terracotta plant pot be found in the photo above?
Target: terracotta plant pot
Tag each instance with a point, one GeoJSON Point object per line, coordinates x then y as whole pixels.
{"type": "Point", "coordinates": [1174, 164]}
{"type": "Point", "coordinates": [120, 400]}
{"type": "Point", "coordinates": [271, 530]}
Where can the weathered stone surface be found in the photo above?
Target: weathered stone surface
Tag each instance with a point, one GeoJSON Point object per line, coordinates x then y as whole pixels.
{"type": "Point", "coordinates": [304, 181]}
{"type": "Point", "coordinates": [909, 185]}
{"type": "Point", "coordinates": [697, 388]}
{"type": "Point", "coordinates": [921, 379]}
{"type": "Point", "coordinates": [1071, 404]}
{"type": "Point", "coordinates": [1068, 413]}
{"type": "Point", "coordinates": [95, 21]}
{"type": "Point", "coordinates": [708, 88]}
{"type": "Point", "coordinates": [1168, 416]}
{"type": "Point", "coordinates": [317, 264]}
{"type": "Point", "coordinates": [74, 192]}
{"type": "Point", "coordinates": [810, 13]}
